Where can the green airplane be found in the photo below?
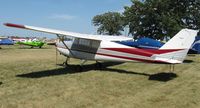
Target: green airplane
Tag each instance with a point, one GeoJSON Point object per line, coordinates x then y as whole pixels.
{"type": "Point", "coordinates": [32, 43]}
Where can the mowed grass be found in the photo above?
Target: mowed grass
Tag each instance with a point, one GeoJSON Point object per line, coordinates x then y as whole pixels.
{"type": "Point", "coordinates": [31, 79]}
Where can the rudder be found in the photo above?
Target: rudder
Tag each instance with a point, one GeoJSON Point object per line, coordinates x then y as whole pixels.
{"type": "Point", "coordinates": [181, 42]}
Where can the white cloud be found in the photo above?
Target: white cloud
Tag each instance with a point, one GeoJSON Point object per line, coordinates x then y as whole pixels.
{"type": "Point", "coordinates": [62, 17]}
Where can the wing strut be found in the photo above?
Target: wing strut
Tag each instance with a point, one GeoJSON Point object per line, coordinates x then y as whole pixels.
{"type": "Point", "coordinates": [62, 39]}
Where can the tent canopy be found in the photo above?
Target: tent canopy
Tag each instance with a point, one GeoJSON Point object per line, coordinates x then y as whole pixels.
{"type": "Point", "coordinates": [6, 42]}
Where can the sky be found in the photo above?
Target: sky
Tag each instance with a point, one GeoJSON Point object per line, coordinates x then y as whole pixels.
{"type": "Point", "coordinates": [67, 15]}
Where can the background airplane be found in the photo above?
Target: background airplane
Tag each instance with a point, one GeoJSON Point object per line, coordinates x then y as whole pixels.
{"type": "Point", "coordinates": [106, 48]}
{"type": "Point", "coordinates": [144, 42]}
{"type": "Point", "coordinates": [148, 43]}
{"type": "Point", "coordinates": [195, 48]}
{"type": "Point", "coordinates": [32, 43]}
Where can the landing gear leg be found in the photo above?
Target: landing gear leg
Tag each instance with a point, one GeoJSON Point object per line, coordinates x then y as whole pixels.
{"type": "Point", "coordinates": [66, 62]}
{"type": "Point", "coordinates": [172, 67]}
{"type": "Point", "coordinates": [81, 65]}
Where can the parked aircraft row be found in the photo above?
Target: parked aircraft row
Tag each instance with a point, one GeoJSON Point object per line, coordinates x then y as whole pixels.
{"type": "Point", "coordinates": [22, 41]}
{"type": "Point", "coordinates": [32, 43]}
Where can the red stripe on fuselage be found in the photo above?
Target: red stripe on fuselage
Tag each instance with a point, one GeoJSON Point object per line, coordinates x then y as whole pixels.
{"type": "Point", "coordinates": [133, 59]}
{"type": "Point", "coordinates": [14, 25]}
{"type": "Point", "coordinates": [142, 52]}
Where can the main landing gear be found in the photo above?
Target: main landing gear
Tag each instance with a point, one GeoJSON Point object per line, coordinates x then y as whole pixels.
{"type": "Point", "coordinates": [98, 65]}
{"type": "Point", "coordinates": [172, 67]}
{"type": "Point", "coordinates": [80, 67]}
{"type": "Point", "coordinates": [66, 62]}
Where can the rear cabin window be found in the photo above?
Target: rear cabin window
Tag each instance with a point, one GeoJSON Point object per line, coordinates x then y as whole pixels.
{"type": "Point", "coordinates": [86, 45]}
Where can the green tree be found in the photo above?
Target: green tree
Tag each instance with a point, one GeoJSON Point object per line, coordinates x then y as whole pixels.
{"type": "Point", "coordinates": [159, 18]}
{"type": "Point", "coordinates": [110, 23]}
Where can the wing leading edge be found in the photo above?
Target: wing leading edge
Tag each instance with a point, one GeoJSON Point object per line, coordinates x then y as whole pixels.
{"type": "Point", "coordinates": [65, 33]}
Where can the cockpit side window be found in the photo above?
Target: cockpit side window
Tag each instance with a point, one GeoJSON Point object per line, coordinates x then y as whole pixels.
{"type": "Point", "coordinates": [86, 45]}
{"type": "Point", "coordinates": [68, 38]}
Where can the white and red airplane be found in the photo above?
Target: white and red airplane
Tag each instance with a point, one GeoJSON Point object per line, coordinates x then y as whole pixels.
{"type": "Point", "coordinates": [107, 48]}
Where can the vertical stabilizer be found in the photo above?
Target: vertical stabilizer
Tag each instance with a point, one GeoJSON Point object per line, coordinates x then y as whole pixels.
{"type": "Point", "coordinates": [179, 44]}
{"type": "Point", "coordinates": [182, 40]}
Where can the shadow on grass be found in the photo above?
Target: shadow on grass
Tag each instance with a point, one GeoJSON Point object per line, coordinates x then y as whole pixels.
{"type": "Point", "coordinates": [73, 69]}
{"type": "Point", "coordinates": [1, 83]}
{"type": "Point", "coordinates": [163, 76]}
{"type": "Point", "coordinates": [188, 61]}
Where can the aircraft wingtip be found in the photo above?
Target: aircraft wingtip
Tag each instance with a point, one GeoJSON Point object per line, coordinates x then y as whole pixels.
{"type": "Point", "coordinates": [14, 25]}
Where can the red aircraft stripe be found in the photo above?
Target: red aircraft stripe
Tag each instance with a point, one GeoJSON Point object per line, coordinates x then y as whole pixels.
{"type": "Point", "coordinates": [14, 25]}
{"type": "Point", "coordinates": [136, 59]}
{"type": "Point", "coordinates": [143, 52]}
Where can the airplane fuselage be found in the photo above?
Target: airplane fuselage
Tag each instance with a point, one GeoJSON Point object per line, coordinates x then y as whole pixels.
{"type": "Point", "coordinates": [109, 51]}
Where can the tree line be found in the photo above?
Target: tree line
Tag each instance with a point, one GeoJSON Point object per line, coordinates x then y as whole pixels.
{"type": "Point", "coordinates": [151, 18]}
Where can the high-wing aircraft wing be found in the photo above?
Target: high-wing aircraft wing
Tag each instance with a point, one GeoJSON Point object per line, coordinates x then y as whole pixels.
{"type": "Point", "coordinates": [65, 33]}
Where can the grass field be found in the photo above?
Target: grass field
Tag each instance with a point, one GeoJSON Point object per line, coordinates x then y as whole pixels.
{"type": "Point", "coordinates": [30, 78]}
